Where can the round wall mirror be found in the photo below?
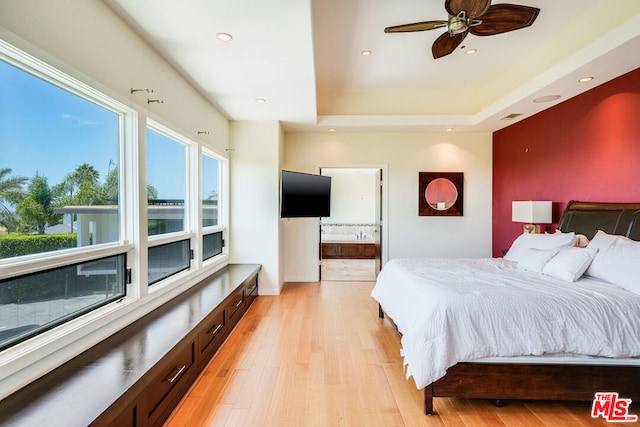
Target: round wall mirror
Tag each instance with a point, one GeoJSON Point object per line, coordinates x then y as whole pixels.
{"type": "Point", "coordinates": [441, 194]}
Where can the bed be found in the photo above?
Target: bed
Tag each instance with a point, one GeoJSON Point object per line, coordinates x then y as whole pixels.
{"type": "Point", "coordinates": [469, 331]}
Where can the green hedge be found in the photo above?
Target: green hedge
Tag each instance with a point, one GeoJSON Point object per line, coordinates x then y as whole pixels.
{"type": "Point", "coordinates": [37, 287]}
{"type": "Point", "coordinates": [24, 244]}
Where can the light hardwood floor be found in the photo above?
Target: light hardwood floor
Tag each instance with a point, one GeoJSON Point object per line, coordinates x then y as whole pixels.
{"type": "Point", "coordinates": [318, 355]}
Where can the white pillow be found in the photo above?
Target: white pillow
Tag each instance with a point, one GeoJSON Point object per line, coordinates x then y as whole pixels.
{"type": "Point", "coordinates": [538, 241]}
{"type": "Point", "coordinates": [617, 261]}
{"type": "Point", "coordinates": [603, 240]}
{"type": "Point", "coordinates": [535, 259]}
{"type": "Point", "coordinates": [570, 263]}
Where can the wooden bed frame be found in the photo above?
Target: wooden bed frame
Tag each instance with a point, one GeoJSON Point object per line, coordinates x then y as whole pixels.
{"type": "Point", "coordinates": [501, 381]}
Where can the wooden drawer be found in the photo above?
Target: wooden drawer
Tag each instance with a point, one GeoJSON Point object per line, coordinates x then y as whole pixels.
{"type": "Point", "coordinates": [119, 414]}
{"type": "Point", "coordinates": [236, 304]}
{"type": "Point", "coordinates": [368, 251]}
{"type": "Point", "coordinates": [160, 391]}
{"type": "Point", "coordinates": [348, 251]}
{"type": "Point", "coordinates": [126, 418]}
{"type": "Point", "coordinates": [330, 250]}
{"type": "Point", "coordinates": [251, 290]}
{"type": "Point", "coordinates": [212, 334]}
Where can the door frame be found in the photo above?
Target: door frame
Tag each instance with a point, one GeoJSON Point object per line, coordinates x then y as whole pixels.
{"type": "Point", "coordinates": [384, 204]}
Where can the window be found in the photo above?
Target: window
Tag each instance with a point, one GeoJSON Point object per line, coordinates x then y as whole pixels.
{"type": "Point", "coordinates": [168, 259]}
{"type": "Point", "coordinates": [210, 190]}
{"type": "Point", "coordinates": [61, 144]}
{"type": "Point", "coordinates": [69, 226]}
{"type": "Point", "coordinates": [59, 168]}
{"type": "Point", "coordinates": [212, 245]}
{"type": "Point", "coordinates": [33, 303]}
{"type": "Point", "coordinates": [166, 183]}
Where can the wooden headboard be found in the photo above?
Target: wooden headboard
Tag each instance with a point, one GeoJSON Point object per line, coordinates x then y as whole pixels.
{"type": "Point", "coordinates": [613, 218]}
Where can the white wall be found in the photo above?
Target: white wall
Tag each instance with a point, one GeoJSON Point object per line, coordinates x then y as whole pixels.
{"type": "Point", "coordinates": [405, 154]}
{"type": "Point", "coordinates": [353, 197]}
{"type": "Point", "coordinates": [254, 179]}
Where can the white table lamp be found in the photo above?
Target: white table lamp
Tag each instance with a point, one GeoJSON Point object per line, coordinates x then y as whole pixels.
{"type": "Point", "coordinates": [531, 213]}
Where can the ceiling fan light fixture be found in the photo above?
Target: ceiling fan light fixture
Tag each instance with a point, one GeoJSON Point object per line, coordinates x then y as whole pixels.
{"type": "Point", "coordinates": [458, 24]}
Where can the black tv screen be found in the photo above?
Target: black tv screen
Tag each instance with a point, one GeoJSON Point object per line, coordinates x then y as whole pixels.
{"type": "Point", "coordinates": [304, 195]}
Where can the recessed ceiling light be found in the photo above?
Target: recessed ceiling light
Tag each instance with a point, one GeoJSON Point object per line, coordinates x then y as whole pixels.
{"type": "Point", "coordinates": [366, 53]}
{"type": "Point", "coordinates": [471, 51]}
{"type": "Point", "coordinates": [261, 100]}
{"type": "Point", "coordinates": [449, 129]}
{"type": "Point", "coordinates": [585, 79]}
{"type": "Point", "coordinates": [547, 98]}
{"type": "Point", "coordinates": [332, 129]}
{"type": "Point", "coordinates": [511, 116]}
{"type": "Point", "coordinates": [224, 37]}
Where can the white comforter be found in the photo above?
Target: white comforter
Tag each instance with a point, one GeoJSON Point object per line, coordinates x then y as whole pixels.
{"type": "Point", "coordinates": [456, 310]}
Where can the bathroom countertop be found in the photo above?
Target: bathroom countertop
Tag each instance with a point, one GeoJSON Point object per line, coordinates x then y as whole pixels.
{"type": "Point", "coordinates": [361, 242]}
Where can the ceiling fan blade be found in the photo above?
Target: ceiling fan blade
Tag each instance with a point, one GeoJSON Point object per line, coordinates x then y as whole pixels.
{"type": "Point", "coordinates": [417, 26]}
{"type": "Point", "coordinates": [473, 8]}
{"type": "Point", "coordinates": [501, 18]}
{"type": "Point", "coordinates": [445, 44]}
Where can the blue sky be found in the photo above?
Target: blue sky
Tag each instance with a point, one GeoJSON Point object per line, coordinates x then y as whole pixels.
{"type": "Point", "coordinates": [48, 130]}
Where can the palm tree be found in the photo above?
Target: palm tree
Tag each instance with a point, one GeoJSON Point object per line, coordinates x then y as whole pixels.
{"type": "Point", "coordinates": [10, 191]}
{"type": "Point", "coordinates": [85, 173]}
{"type": "Point", "coordinates": [36, 209]}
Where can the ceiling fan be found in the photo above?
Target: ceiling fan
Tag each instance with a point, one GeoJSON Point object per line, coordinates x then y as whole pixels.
{"type": "Point", "coordinates": [478, 17]}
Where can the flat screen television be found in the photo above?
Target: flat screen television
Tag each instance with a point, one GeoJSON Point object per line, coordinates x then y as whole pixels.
{"type": "Point", "coordinates": [304, 195]}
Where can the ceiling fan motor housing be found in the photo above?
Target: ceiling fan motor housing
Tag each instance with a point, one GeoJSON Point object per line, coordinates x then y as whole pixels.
{"type": "Point", "coordinates": [458, 24]}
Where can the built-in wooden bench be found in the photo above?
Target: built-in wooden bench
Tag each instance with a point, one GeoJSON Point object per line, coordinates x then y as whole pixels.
{"type": "Point", "coordinates": [137, 376]}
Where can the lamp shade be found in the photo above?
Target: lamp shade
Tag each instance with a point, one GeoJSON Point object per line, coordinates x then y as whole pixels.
{"type": "Point", "coordinates": [531, 212]}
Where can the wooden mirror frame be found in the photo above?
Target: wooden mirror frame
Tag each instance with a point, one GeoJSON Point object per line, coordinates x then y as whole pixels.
{"type": "Point", "coordinates": [424, 178]}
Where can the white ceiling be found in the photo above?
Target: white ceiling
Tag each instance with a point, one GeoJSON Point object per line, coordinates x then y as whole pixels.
{"type": "Point", "coordinates": [303, 57]}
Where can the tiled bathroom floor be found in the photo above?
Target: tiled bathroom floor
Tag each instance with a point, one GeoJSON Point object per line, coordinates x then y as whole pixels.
{"type": "Point", "coordinates": [348, 269]}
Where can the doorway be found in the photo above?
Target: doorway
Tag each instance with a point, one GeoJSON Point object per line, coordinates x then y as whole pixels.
{"type": "Point", "coordinates": [351, 238]}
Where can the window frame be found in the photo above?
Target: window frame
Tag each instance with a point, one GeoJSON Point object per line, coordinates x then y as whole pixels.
{"type": "Point", "coordinates": [127, 117]}
{"type": "Point", "coordinates": [223, 208]}
{"type": "Point", "coordinates": [32, 263]}
{"type": "Point", "coordinates": [32, 358]}
{"type": "Point", "coordinates": [193, 230]}
{"type": "Point", "coordinates": [53, 339]}
{"type": "Point", "coordinates": [188, 147]}
{"type": "Point", "coordinates": [122, 269]}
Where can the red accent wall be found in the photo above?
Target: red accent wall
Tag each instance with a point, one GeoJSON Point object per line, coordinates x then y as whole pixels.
{"type": "Point", "coordinates": [586, 148]}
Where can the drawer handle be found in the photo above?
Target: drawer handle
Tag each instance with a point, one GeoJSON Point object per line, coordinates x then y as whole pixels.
{"type": "Point", "coordinates": [215, 330]}
{"type": "Point", "coordinates": [175, 377]}
{"type": "Point", "coordinates": [237, 303]}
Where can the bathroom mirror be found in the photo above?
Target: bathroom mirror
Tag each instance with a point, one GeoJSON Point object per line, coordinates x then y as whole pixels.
{"type": "Point", "coordinates": [440, 193]}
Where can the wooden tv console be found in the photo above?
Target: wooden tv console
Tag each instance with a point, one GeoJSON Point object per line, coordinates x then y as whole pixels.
{"type": "Point", "coordinates": [137, 376]}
